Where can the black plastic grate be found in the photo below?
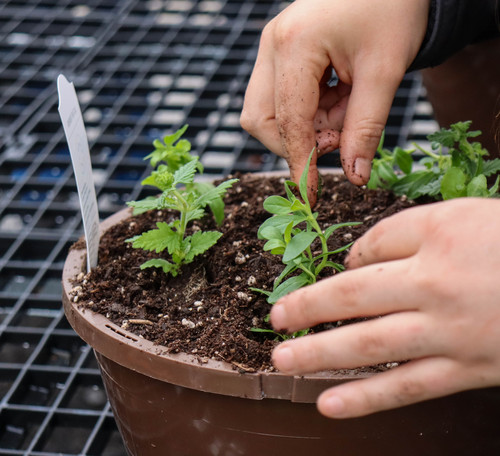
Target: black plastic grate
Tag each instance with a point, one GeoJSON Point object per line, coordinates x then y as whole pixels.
{"type": "Point", "coordinates": [141, 69]}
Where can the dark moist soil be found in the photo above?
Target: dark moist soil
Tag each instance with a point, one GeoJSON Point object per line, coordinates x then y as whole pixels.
{"type": "Point", "coordinates": [209, 310]}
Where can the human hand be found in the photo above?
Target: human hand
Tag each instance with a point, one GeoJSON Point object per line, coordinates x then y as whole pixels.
{"type": "Point", "coordinates": [430, 273]}
{"type": "Point", "coordinates": [290, 108]}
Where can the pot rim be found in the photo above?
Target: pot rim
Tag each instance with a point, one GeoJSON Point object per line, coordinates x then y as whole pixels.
{"type": "Point", "coordinates": [182, 369]}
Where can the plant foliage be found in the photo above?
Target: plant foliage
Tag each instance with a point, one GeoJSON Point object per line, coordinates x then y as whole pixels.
{"type": "Point", "coordinates": [455, 167]}
{"type": "Point", "coordinates": [174, 177]}
{"type": "Point", "coordinates": [290, 233]}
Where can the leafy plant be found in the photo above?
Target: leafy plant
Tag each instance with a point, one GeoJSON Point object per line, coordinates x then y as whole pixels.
{"type": "Point", "coordinates": [179, 192]}
{"type": "Point", "coordinates": [290, 232]}
{"type": "Point", "coordinates": [462, 171]}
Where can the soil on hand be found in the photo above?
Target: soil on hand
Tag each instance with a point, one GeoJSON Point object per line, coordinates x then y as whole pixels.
{"type": "Point", "coordinates": [209, 309]}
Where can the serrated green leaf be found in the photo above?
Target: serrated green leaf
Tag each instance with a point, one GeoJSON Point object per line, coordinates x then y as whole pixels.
{"type": "Point", "coordinates": [277, 205]}
{"type": "Point", "coordinates": [298, 244]}
{"type": "Point", "coordinates": [200, 242]}
{"type": "Point", "coordinates": [185, 174]}
{"type": "Point", "coordinates": [289, 285]}
{"type": "Point", "coordinates": [491, 167]}
{"type": "Point", "coordinates": [194, 214]}
{"type": "Point", "coordinates": [141, 206]}
{"type": "Point", "coordinates": [166, 266]}
{"type": "Point", "coordinates": [214, 193]}
{"type": "Point", "coordinates": [158, 239]}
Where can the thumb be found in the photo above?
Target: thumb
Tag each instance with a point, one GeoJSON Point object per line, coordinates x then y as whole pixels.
{"type": "Point", "coordinates": [366, 115]}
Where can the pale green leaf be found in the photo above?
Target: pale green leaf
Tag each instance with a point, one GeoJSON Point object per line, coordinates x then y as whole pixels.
{"type": "Point", "coordinates": [277, 205]}
{"type": "Point", "coordinates": [298, 244]}
{"type": "Point", "coordinates": [289, 285]}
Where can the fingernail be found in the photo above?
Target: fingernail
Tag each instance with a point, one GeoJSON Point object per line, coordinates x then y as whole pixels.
{"type": "Point", "coordinates": [333, 406]}
{"type": "Point", "coordinates": [278, 316]}
{"type": "Point", "coordinates": [362, 168]}
{"type": "Point", "coordinates": [283, 358]}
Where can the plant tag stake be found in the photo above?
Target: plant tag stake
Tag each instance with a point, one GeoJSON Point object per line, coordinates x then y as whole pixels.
{"type": "Point", "coordinates": [74, 129]}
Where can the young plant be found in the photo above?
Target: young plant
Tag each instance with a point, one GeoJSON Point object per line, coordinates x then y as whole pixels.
{"type": "Point", "coordinates": [175, 180]}
{"type": "Point", "coordinates": [462, 171]}
{"type": "Point", "coordinates": [290, 232]}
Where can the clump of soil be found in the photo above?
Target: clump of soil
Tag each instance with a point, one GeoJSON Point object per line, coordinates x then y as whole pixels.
{"type": "Point", "coordinates": [209, 309]}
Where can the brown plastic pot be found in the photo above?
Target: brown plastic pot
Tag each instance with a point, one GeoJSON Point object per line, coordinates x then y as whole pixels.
{"type": "Point", "coordinates": [172, 405]}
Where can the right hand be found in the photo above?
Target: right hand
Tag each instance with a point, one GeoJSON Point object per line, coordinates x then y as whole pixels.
{"type": "Point", "coordinates": [288, 105]}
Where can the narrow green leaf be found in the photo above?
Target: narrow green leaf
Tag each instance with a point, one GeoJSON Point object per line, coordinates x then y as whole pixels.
{"type": "Point", "coordinates": [289, 269]}
{"type": "Point", "coordinates": [303, 179]}
{"type": "Point", "coordinates": [271, 232]}
{"type": "Point", "coordinates": [277, 205]}
{"type": "Point", "coordinates": [280, 222]}
{"type": "Point", "coordinates": [298, 244]}
{"type": "Point", "coordinates": [403, 159]}
{"type": "Point", "coordinates": [260, 290]}
{"type": "Point", "coordinates": [329, 231]}
{"type": "Point", "coordinates": [287, 235]}
{"type": "Point", "coordinates": [494, 188]}
{"type": "Point", "coordinates": [292, 284]}
{"type": "Point", "coordinates": [274, 244]}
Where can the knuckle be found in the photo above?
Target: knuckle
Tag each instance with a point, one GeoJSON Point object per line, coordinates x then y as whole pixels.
{"type": "Point", "coordinates": [371, 346]}
{"type": "Point", "coordinates": [349, 290]}
{"type": "Point", "coordinates": [409, 391]}
{"type": "Point", "coordinates": [369, 131]}
{"type": "Point", "coordinates": [247, 121]}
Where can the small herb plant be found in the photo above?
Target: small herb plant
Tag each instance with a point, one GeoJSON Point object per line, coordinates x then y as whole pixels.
{"type": "Point", "coordinates": [462, 171]}
{"type": "Point", "coordinates": [290, 232]}
{"type": "Point", "coordinates": [174, 178]}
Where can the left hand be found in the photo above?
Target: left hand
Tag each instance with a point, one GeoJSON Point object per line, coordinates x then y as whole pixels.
{"type": "Point", "coordinates": [430, 275]}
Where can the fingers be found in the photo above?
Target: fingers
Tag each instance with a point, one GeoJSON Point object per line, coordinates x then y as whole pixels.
{"type": "Point", "coordinates": [361, 292]}
{"type": "Point", "coordinates": [407, 384]}
{"type": "Point", "coordinates": [373, 91]}
{"type": "Point", "coordinates": [396, 237]}
{"type": "Point", "coordinates": [396, 337]}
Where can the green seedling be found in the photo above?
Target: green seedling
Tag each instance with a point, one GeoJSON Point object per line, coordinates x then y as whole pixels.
{"type": "Point", "coordinates": [291, 232]}
{"type": "Point", "coordinates": [175, 180]}
{"type": "Point", "coordinates": [462, 171]}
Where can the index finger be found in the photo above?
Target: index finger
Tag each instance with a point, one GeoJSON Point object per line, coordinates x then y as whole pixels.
{"type": "Point", "coordinates": [298, 74]}
{"type": "Point", "coordinates": [393, 238]}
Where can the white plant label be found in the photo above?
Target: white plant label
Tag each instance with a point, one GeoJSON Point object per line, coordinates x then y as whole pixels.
{"type": "Point", "coordinates": [74, 129]}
